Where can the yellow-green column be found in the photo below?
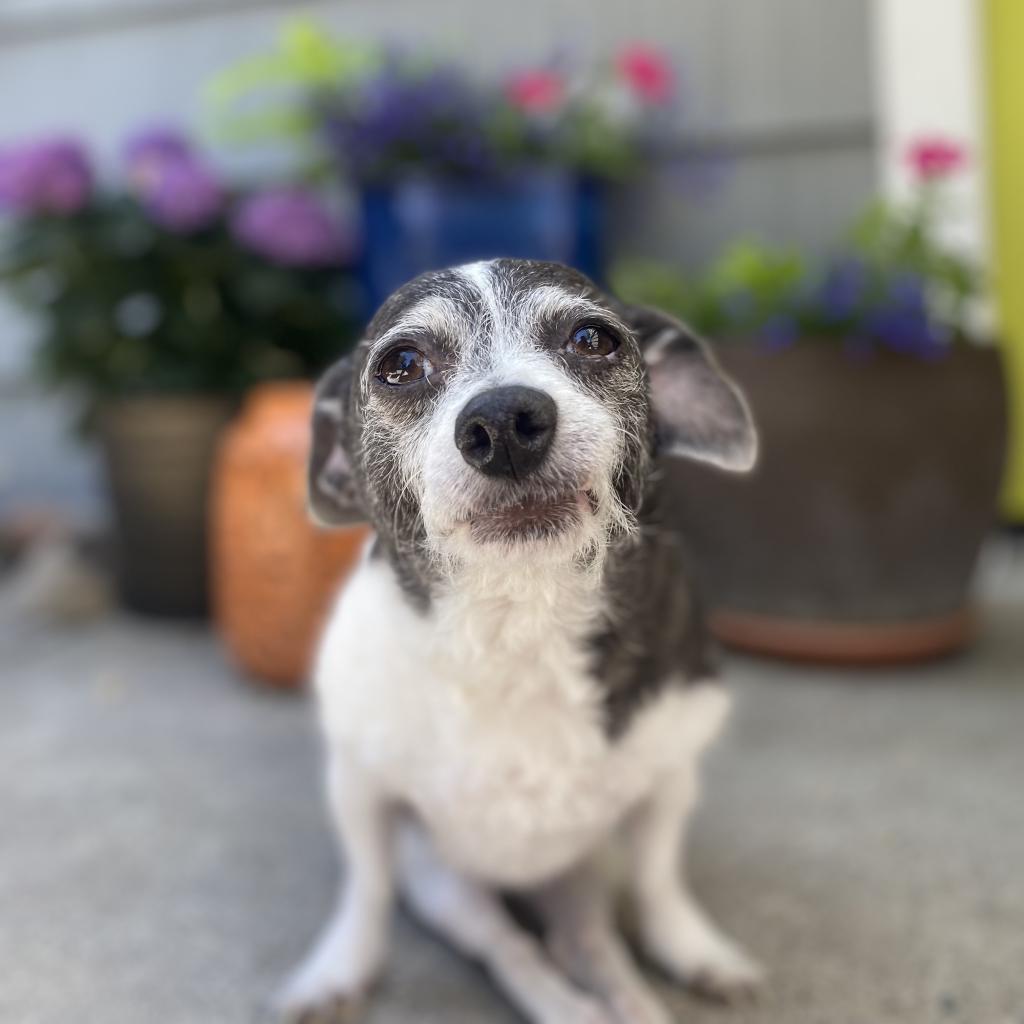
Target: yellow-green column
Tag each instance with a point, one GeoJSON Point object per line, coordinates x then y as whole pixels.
{"type": "Point", "coordinates": [1005, 51]}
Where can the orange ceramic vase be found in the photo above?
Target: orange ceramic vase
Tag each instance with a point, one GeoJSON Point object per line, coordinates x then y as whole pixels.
{"type": "Point", "coordinates": [274, 573]}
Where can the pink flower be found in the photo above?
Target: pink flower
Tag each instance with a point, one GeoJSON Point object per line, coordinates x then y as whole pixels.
{"type": "Point", "coordinates": [935, 158]}
{"type": "Point", "coordinates": [647, 71]}
{"type": "Point", "coordinates": [536, 92]}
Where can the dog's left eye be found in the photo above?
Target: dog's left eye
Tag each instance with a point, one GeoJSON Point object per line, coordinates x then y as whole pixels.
{"type": "Point", "coordinates": [403, 366]}
{"type": "Point", "coordinates": [591, 342]}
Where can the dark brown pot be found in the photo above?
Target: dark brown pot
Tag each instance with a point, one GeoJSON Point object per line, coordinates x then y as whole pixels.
{"type": "Point", "coordinates": [158, 453]}
{"type": "Point", "coordinates": [856, 536]}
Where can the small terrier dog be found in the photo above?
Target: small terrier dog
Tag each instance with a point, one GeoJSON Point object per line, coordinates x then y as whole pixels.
{"type": "Point", "coordinates": [515, 685]}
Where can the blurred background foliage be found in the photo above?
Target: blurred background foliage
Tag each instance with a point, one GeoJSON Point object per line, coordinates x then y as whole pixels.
{"type": "Point", "coordinates": [170, 280]}
{"type": "Point", "coordinates": [890, 282]}
{"type": "Point", "coordinates": [381, 111]}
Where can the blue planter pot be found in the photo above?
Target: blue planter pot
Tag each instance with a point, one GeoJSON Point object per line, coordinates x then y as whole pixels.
{"type": "Point", "coordinates": [423, 224]}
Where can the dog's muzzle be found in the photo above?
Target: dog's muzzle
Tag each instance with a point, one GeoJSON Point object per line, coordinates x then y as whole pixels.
{"type": "Point", "coordinates": [507, 431]}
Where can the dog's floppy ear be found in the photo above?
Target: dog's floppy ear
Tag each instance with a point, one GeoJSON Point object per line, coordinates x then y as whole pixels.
{"type": "Point", "coordinates": [333, 495]}
{"type": "Point", "coordinates": [701, 414]}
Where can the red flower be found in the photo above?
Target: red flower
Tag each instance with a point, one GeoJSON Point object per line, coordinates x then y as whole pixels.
{"type": "Point", "coordinates": [536, 92]}
{"type": "Point", "coordinates": [648, 72]}
{"type": "Point", "coordinates": [935, 158]}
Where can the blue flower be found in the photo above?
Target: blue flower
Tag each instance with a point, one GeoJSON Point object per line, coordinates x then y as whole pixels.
{"type": "Point", "coordinates": [843, 289]}
{"type": "Point", "coordinates": [902, 322]}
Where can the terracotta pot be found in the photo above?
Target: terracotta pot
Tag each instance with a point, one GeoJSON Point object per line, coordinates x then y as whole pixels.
{"type": "Point", "coordinates": [275, 574]}
{"type": "Point", "coordinates": [855, 538]}
{"type": "Point", "coordinates": [158, 452]}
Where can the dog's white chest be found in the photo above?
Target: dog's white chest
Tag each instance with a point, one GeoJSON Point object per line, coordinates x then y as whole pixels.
{"type": "Point", "coordinates": [519, 790]}
{"type": "Point", "coordinates": [494, 736]}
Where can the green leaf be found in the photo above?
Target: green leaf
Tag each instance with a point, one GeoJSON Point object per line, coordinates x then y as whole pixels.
{"type": "Point", "coordinates": [262, 98]}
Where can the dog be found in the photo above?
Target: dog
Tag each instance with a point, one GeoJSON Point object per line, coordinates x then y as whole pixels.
{"type": "Point", "coordinates": [516, 686]}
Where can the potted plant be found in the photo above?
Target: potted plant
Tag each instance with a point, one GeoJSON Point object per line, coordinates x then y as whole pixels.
{"type": "Point", "coordinates": [161, 302]}
{"type": "Point", "coordinates": [448, 169]}
{"type": "Point", "coordinates": [883, 421]}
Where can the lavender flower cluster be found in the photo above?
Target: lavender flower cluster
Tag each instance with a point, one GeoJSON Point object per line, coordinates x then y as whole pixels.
{"type": "Point", "coordinates": [45, 176]}
{"type": "Point", "coordinates": [180, 193]}
{"type": "Point", "coordinates": [175, 185]}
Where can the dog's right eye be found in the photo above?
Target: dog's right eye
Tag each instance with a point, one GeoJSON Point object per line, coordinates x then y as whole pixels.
{"type": "Point", "coordinates": [403, 365]}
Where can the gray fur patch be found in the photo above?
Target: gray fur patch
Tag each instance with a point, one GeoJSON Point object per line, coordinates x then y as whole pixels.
{"type": "Point", "coordinates": [654, 630]}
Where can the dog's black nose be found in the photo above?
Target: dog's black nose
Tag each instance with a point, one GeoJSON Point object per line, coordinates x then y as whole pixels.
{"type": "Point", "coordinates": [506, 431]}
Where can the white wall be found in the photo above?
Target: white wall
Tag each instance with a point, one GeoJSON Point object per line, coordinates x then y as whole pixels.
{"type": "Point", "coordinates": [929, 82]}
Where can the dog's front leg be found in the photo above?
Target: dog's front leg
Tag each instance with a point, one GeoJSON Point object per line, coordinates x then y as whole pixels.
{"type": "Point", "coordinates": [349, 954]}
{"type": "Point", "coordinates": [582, 936]}
{"type": "Point", "coordinates": [673, 929]}
{"type": "Point", "coordinates": [474, 920]}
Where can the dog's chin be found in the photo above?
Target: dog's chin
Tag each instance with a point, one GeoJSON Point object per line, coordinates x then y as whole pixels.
{"type": "Point", "coordinates": [531, 525]}
{"type": "Point", "coordinates": [532, 520]}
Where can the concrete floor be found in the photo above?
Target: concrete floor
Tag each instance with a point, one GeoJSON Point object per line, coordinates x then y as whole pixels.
{"type": "Point", "coordinates": [164, 856]}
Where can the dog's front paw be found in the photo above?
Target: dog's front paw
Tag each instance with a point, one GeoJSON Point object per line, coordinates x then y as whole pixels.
{"type": "Point", "coordinates": [332, 983]}
{"type": "Point", "coordinates": [640, 1008]}
{"type": "Point", "coordinates": [337, 1009]}
{"type": "Point", "coordinates": [728, 976]}
{"type": "Point", "coordinates": [319, 993]}
{"type": "Point", "coordinates": [577, 1009]}
{"type": "Point", "coordinates": [695, 954]}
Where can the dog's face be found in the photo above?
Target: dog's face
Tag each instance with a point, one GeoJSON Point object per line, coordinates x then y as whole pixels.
{"type": "Point", "coordinates": [511, 408]}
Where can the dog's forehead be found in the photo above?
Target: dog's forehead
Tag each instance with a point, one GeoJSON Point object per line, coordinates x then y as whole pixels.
{"type": "Point", "coordinates": [497, 293]}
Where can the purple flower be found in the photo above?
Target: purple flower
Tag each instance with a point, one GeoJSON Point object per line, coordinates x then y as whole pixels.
{"type": "Point", "coordinates": [45, 176]}
{"type": "Point", "coordinates": [182, 195]}
{"type": "Point", "coordinates": [178, 190]}
{"type": "Point", "coordinates": [289, 226]}
{"type": "Point", "coordinates": [147, 151]}
{"type": "Point", "coordinates": [430, 118]}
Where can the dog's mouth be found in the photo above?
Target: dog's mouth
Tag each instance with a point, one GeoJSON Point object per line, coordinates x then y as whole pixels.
{"type": "Point", "coordinates": [532, 518]}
